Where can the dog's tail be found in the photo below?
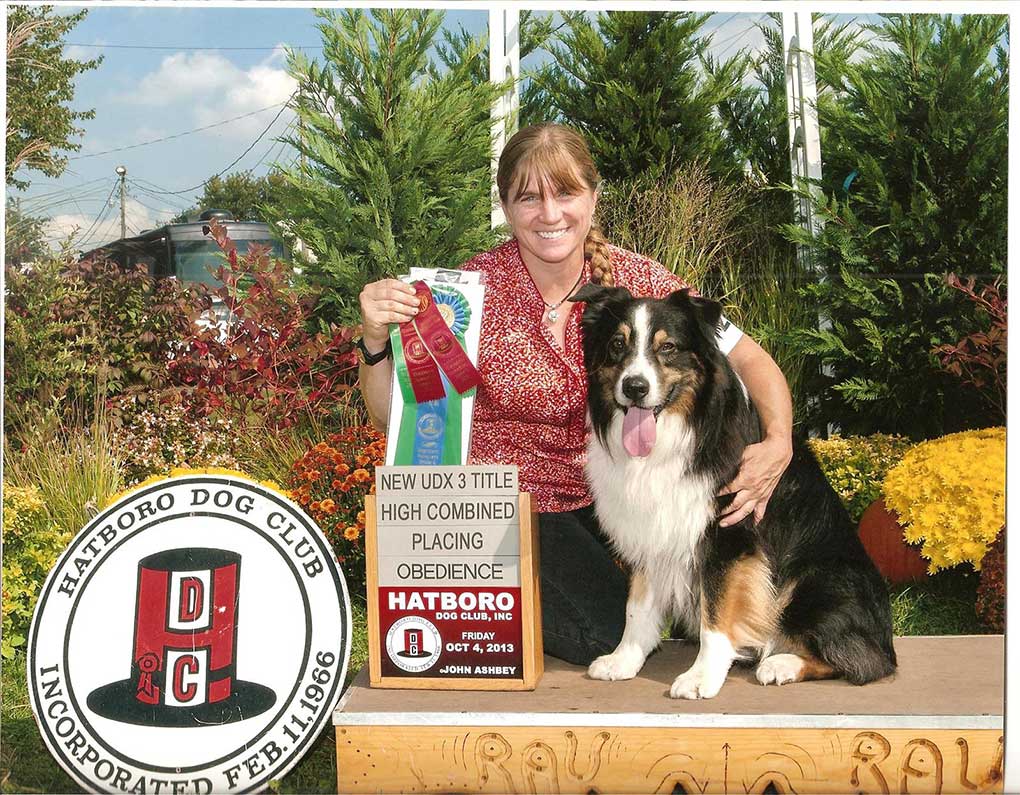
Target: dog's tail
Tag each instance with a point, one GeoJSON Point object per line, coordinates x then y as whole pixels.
{"type": "Point", "coordinates": [860, 659]}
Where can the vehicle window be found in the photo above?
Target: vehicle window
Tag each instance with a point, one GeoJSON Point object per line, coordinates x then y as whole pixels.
{"type": "Point", "coordinates": [197, 260]}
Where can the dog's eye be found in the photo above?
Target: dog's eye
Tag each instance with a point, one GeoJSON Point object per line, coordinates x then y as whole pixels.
{"type": "Point", "coordinates": [617, 345]}
{"type": "Point", "coordinates": [667, 348]}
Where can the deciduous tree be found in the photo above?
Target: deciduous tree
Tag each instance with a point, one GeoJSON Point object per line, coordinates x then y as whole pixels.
{"type": "Point", "coordinates": [40, 92]}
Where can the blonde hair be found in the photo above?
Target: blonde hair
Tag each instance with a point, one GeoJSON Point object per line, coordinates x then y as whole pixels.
{"type": "Point", "coordinates": [559, 154]}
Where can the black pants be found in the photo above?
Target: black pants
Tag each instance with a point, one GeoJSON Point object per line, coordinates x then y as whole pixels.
{"type": "Point", "coordinates": [584, 592]}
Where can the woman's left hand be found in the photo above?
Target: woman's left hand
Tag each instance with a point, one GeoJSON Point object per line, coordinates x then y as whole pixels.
{"type": "Point", "coordinates": [761, 466]}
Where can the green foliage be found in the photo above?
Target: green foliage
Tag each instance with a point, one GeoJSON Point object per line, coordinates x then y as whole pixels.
{"type": "Point", "coordinates": [397, 167]}
{"type": "Point", "coordinates": [755, 116]}
{"type": "Point", "coordinates": [856, 465]}
{"type": "Point", "coordinates": [922, 123]}
{"type": "Point", "coordinates": [83, 330]}
{"type": "Point", "coordinates": [460, 49]}
{"type": "Point", "coordinates": [632, 82]}
{"type": "Point", "coordinates": [24, 239]}
{"type": "Point", "coordinates": [40, 90]}
{"type": "Point", "coordinates": [241, 193]}
{"type": "Point", "coordinates": [32, 544]}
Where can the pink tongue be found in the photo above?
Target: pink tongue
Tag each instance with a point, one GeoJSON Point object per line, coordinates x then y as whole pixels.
{"type": "Point", "coordinates": [638, 431]}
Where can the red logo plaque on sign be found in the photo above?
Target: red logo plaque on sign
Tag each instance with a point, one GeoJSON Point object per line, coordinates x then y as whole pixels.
{"type": "Point", "coordinates": [452, 579]}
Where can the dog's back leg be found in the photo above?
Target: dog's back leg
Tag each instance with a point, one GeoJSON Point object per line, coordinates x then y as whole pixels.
{"type": "Point", "coordinates": [646, 609]}
{"type": "Point", "coordinates": [838, 619]}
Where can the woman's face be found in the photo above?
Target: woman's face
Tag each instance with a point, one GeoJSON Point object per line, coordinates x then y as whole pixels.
{"type": "Point", "coordinates": [550, 224]}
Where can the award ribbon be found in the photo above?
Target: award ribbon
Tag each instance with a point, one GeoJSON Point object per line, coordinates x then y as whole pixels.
{"type": "Point", "coordinates": [430, 430]}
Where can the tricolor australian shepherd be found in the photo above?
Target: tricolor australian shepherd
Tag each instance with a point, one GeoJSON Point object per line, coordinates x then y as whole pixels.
{"type": "Point", "coordinates": [795, 593]}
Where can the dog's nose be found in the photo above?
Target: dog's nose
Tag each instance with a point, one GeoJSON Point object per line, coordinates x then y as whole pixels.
{"type": "Point", "coordinates": [635, 386]}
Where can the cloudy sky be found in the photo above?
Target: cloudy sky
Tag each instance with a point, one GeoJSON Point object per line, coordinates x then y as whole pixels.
{"type": "Point", "coordinates": [169, 71]}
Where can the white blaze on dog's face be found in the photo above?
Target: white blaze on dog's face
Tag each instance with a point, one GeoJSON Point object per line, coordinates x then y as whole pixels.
{"type": "Point", "coordinates": [650, 367]}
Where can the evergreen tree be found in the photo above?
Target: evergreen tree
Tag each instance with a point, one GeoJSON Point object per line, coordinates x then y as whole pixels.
{"type": "Point", "coordinates": [915, 180]}
{"type": "Point", "coordinates": [535, 32]}
{"type": "Point", "coordinates": [633, 83]}
{"type": "Point", "coordinates": [40, 88]}
{"type": "Point", "coordinates": [397, 167]}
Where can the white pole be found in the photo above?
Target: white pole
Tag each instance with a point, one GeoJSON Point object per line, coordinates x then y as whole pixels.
{"type": "Point", "coordinates": [802, 105]}
{"type": "Point", "coordinates": [805, 141]}
{"type": "Point", "coordinates": [504, 63]}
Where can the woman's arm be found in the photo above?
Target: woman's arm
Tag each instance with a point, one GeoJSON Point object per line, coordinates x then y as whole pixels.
{"type": "Point", "coordinates": [383, 302]}
{"type": "Point", "coordinates": [762, 464]}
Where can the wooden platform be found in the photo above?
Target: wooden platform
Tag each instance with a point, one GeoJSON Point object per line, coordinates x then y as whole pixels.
{"type": "Point", "coordinates": [934, 727]}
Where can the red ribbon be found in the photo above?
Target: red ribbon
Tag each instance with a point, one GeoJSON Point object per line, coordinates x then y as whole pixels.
{"type": "Point", "coordinates": [147, 665]}
{"type": "Point", "coordinates": [428, 341]}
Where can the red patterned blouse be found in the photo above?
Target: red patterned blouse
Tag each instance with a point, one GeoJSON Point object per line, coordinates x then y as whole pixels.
{"type": "Point", "coordinates": [530, 410]}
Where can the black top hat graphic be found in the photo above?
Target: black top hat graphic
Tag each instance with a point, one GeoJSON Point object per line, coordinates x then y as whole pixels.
{"type": "Point", "coordinates": [183, 669]}
{"type": "Point", "coordinates": [413, 646]}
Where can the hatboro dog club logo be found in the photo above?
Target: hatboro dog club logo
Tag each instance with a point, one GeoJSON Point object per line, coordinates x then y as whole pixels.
{"type": "Point", "coordinates": [193, 638]}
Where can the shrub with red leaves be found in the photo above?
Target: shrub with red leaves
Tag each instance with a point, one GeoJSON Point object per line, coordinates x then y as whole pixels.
{"type": "Point", "coordinates": [991, 592]}
{"type": "Point", "coordinates": [331, 481]}
{"type": "Point", "coordinates": [979, 359]}
{"type": "Point", "coordinates": [274, 361]}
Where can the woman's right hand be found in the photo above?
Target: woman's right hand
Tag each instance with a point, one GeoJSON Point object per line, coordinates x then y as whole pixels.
{"type": "Point", "coordinates": [383, 302]}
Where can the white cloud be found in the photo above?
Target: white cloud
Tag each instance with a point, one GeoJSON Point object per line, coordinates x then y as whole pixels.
{"type": "Point", "coordinates": [206, 88]}
{"type": "Point", "coordinates": [137, 217]}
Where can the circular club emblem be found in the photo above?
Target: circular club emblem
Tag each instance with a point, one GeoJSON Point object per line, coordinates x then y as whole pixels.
{"type": "Point", "coordinates": [193, 638]}
{"type": "Point", "coordinates": [413, 643]}
{"type": "Point", "coordinates": [415, 351]}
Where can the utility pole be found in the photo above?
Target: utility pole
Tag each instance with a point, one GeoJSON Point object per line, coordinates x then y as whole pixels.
{"type": "Point", "coordinates": [122, 172]}
{"type": "Point", "coordinates": [504, 63]}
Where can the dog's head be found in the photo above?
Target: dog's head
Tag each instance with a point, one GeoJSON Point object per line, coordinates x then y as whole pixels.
{"type": "Point", "coordinates": [645, 358]}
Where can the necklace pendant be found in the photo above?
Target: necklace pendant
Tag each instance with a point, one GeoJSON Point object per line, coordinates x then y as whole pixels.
{"type": "Point", "coordinates": [551, 316]}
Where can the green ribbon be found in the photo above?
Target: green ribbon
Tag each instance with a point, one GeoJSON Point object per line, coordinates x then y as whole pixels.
{"type": "Point", "coordinates": [419, 421]}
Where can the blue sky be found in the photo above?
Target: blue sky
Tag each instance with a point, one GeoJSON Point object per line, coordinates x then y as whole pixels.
{"type": "Point", "coordinates": [167, 71]}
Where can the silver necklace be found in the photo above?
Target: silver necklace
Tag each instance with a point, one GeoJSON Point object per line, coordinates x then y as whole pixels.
{"type": "Point", "coordinates": [551, 315]}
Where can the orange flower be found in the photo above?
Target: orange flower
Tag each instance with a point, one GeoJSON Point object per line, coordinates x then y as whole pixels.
{"type": "Point", "coordinates": [335, 484]}
{"type": "Point", "coordinates": [352, 533]}
{"type": "Point", "coordinates": [372, 490]}
{"type": "Point", "coordinates": [361, 475]}
{"type": "Point", "coordinates": [312, 474]}
{"type": "Point", "coordinates": [328, 506]}
{"type": "Point", "coordinates": [341, 469]}
{"type": "Point", "coordinates": [361, 518]}
{"type": "Point", "coordinates": [362, 460]}
{"type": "Point", "coordinates": [315, 505]}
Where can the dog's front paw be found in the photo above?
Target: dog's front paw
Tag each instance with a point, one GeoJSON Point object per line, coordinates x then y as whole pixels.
{"type": "Point", "coordinates": [694, 683]}
{"type": "Point", "coordinates": [780, 669]}
{"type": "Point", "coordinates": [618, 665]}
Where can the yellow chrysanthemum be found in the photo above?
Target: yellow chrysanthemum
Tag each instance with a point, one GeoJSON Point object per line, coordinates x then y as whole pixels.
{"type": "Point", "coordinates": [950, 493]}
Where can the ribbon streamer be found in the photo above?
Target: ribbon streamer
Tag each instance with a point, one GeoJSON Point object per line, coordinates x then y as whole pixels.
{"type": "Point", "coordinates": [430, 431]}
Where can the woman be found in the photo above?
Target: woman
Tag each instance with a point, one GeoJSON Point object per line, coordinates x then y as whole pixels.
{"type": "Point", "coordinates": [530, 410]}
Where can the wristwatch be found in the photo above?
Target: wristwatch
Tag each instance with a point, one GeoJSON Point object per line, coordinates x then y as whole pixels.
{"type": "Point", "coordinates": [371, 358]}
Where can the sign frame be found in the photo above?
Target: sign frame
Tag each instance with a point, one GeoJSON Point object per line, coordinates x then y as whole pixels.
{"type": "Point", "coordinates": [532, 664]}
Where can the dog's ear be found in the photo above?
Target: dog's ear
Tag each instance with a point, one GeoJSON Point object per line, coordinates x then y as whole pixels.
{"type": "Point", "coordinates": [704, 309]}
{"type": "Point", "coordinates": [596, 297]}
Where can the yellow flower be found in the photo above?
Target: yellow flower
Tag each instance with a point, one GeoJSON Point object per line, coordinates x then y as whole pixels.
{"type": "Point", "coordinates": [351, 533]}
{"type": "Point", "coordinates": [950, 493]}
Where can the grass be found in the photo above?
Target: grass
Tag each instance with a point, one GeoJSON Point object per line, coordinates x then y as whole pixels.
{"type": "Point", "coordinates": [941, 605]}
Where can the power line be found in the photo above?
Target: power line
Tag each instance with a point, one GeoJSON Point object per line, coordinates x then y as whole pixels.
{"type": "Point", "coordinates": [180, 204]}
{"type": "Point", "coordinates": [102, 214]}
{"type": "Point", "coordinates": [187, 47]}
{"type": "Point", "coordinates": [238, 158]}
{"type": "Point", "coordinates": [181, 134]}
{"type": "Point", "coordinates": [59, 192]}
{"type": "Point", "coordinates": [278, 145]}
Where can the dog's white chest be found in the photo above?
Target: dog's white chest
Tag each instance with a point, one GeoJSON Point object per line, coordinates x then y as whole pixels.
{"type": "Point", "coordinates": [653, 509]}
